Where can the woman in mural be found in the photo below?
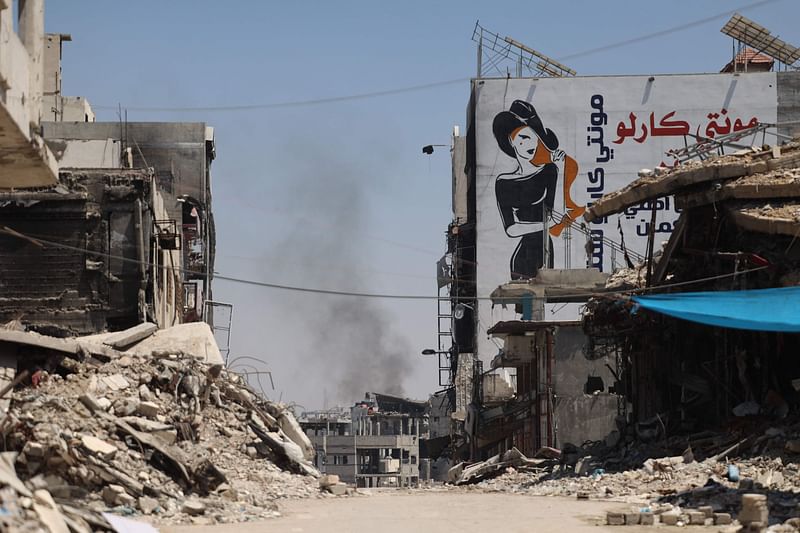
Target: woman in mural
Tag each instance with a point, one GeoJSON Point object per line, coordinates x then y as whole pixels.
{"type": "Point", "coordinates": [523, 195]}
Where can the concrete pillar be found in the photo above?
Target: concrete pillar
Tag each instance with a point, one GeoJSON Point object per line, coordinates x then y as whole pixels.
{"type": "Point", "coordinates": [31, 33]}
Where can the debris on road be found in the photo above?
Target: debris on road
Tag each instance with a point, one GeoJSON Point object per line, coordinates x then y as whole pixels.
{"type": "Point", "coordinates": [158, 432]}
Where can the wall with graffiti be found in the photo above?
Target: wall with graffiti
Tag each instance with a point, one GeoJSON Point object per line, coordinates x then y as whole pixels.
{"type": "Point", "coordinates": [546, 148]}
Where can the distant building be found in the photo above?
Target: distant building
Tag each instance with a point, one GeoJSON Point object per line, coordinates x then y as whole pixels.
{"type": "Point", "coordinates": [378, 446]}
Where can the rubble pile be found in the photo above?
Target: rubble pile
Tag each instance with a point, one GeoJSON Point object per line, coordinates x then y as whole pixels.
{"type": "Point", "coordinates": [765, 462]}
{"type": "Point", "coordinates": [162, 434]}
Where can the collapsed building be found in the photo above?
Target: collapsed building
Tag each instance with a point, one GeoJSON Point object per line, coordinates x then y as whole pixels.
{"type": "Point", "coordinates": [705, 332]}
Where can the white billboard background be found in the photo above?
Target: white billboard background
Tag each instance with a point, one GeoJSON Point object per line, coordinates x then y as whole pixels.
{"type": "Point", "coordinates": [612, 127]}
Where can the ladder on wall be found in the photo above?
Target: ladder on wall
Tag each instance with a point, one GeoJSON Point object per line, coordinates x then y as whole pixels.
{"type": "Point", "coordinates": [444, 318]}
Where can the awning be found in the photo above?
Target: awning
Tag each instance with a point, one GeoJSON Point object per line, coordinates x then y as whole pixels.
{"type": "Point", "coordinates": [758, 310]}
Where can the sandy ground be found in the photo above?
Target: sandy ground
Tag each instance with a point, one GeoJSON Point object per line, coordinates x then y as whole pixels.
{"type": "Point", "coordinates": [423, 511]}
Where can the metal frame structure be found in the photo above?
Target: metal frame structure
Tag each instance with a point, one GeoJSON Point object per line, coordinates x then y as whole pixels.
{"type": "Point", "coordinates": [525, 58]}
{"type": "Point", "coordinates": [746, 32]}
{"type": "Point", "coordinates": [208, 317]}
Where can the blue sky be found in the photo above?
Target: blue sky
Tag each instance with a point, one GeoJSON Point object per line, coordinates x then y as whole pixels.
{"type": "Point", "coordinates": [339, 195]}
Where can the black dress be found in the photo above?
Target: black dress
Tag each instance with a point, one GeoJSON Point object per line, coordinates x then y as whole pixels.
{"type": "Point", "coordinates": [526, 196]}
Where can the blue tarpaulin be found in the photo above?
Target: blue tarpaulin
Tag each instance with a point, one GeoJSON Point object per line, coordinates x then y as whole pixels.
{"type": "Point", "coordinates": [758, 310]}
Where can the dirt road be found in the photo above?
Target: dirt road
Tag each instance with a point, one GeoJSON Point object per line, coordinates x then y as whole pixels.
{"type": "Point", "coordinates": [424, 511]}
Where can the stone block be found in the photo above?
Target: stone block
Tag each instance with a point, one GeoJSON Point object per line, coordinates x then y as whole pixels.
{"type": "Point", "coordinates": [647, 519]}
{"type": "Point", "coordinates": [111, 494]}
{"type": "Point", "coordinates": [148, 409]}
{"type": "Point", "coordinates": [707, 510]}
{"type": "Point", "coordinates": [147, 505]}
{"type": "Point", "coordinates": [722, 519]}
{"type": "Point", "coordinates": [125, 406]}
{"type": "Point", "coordinates": [115, 382]}
{"type": "Point", "coordinates": [328, 480]}
{"type": "Point", "coordinates": [90, 402]}
{"type": "Point", "coordinates": [615, 519]}
{"type": "Point", "coordinates": [631, 519]}
{"type": "Point", "coordinates": [193, 507]}
{"type": "Point", "coordinates": [33, 449]}
{"type": "Point", "coordinates": [339, 489]}
{"type": "Point", "coordinates": [697, 518]}
{"type": "Point", "coordinates": [670, 518]}
{"type": "Point", "coordinates": [98, 447]}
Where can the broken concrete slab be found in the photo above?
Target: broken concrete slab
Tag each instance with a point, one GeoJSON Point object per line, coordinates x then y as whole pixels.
{"type": "Point", "coordinates": [8, 474]}
{"type": "Point", "coordinates": [98, 447]}
{"type": "Point", "coordinates": [494, 466]}
{"type": "Point", "coordinates": [327, 480]}
{"type": "Point", "coordinates": [193, 507]}
{"type": "Point", "coordinates": [165, 432]}
{"type": "Point", "coordinates": [115, 382]}
{"type": "Point", "coordinates": [127, 525]}
{"type": "Point", "coordinates": [148, 409]}
{"type": "Point", "coordinates": [338, 489]}
{"type": "Point", "coordinates": [147, 505]}
{"type": "Point", "coordinates": [289, 425]}
{"type": "Point", "coordinates": [283, 447]}
{"type": "Point", "coordinates": [111, 494]}
{"type": "Point", "coordinates": [48, 512]}
{"type": "Point", "coordinates": [692, 173]}
{"type": "Point", "coordinates": [781, 218]}
{"type": "Point", "coordinates": [30, 338]}
{"type": "Point", "coordinates": [123, 339]}
{"type": "Point", "coordinates": [194, 339]}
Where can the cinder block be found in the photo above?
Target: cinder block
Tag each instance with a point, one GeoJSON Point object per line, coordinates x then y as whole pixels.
{"type": "Point", "coordinates": [631, 519]}
{"type": "Point", "coordinates": [670, 519]}
{"type": "Point", "coordinates": [615, 519]}
{"type": "Point", "coordinates": [722, 519]}
{"type": "Point", "coordinates": [697, 518]}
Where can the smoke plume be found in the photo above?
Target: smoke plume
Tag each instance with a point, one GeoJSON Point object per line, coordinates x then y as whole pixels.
{"type": "Point", "coordinates": [350, 344]}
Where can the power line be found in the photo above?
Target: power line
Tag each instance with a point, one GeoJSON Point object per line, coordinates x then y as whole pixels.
{"type": "Point", "coordinates": [333, 292]}
{"type": "Point", "coordinates": [433, 85]}
{"type": "Point", "coordinates": [661, 33]}
{"type": "Point", "coordinates": [299, 103]}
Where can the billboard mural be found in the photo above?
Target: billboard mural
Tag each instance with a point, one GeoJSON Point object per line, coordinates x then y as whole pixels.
{"type": "Point", "coordinates": [546, 148]}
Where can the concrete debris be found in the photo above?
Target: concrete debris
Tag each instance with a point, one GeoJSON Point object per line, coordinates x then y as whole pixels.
{"type": "Point", "coordinates": [462, 474]}
{"type": "Point", "coordinates": [328, 480]}
{"type": "Point", "coordinates": [679, 479]}
{"type": "Point", "coordinates": [194, 339]}
{"type": "Point", "coordinates": [162, 435]}
{"type": "Point", "coordinates": [96, 447]}
{"type": "Point", "coordinates": [123, 339]}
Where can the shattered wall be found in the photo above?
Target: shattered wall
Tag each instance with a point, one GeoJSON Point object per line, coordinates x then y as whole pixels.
{"type": "Point", "coordinates": [580, 416]}
{"type": "Point", "coordinates": [180, 155]}
{"type": "Point", "coordinates": [92, 281]}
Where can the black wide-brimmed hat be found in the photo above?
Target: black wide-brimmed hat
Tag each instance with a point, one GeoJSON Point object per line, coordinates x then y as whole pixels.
{"type": "Point", "coordinates": [520, 114]}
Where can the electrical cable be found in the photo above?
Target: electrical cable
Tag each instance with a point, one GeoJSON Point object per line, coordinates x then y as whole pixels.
{"type": "Point", "coordinates": [333, 292]}
{"type": "Point", "coordinates": [432, 85]}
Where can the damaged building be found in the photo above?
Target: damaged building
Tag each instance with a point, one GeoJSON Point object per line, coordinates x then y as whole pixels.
{"type": "Point", "coordinates": [522, 263]}
{"type": "Point", "coordinates": [377, 445]}
{"type": "Point", "coordinates": [104, 224]}
{"type": "Point", "coordinates": [705, 330]}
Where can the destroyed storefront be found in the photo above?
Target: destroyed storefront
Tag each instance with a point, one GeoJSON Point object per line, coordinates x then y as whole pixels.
{"type": "Point", "coordinates": [179, 155]}
{"type": "Point", "coordinates": [559, 396]}
{"type": "Point", "coordinates": [85, 256]}
{"type": "Point", "coordinates": [696, 343]}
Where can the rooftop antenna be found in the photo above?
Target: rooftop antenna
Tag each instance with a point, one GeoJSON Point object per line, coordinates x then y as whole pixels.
{"type": "Point", "coordinates": [748, 33]}
{"type": "Point", "coordinates": [526, 59]}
